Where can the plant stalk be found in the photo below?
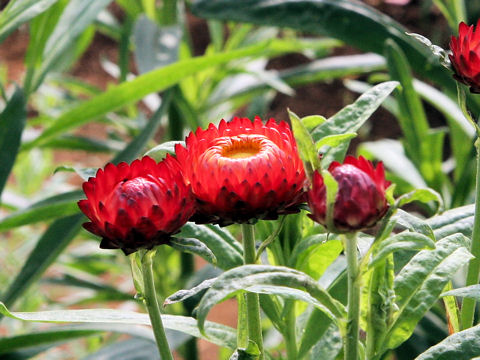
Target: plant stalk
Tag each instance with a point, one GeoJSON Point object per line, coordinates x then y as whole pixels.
{"type": "Point", "coordinates": [253, 302]}
{"type": "Point", "coordinates": [151, 302]}
{"type": "Point", "coordinates": [353, 314]}
{"type": "Point", "coordinates": [290, 331]}
{"type": "Point", "coordinates": [468, 305]}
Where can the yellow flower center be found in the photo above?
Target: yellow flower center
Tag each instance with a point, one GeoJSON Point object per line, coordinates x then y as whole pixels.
{"type": "Point", "coordinates": [241, 148]}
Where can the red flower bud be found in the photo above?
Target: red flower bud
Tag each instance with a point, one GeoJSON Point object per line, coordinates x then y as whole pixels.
{"type": "Point", "coordinates": [360, 200]}
{"type": "Point", "coordinates": [465, 56]}
{"type": "Point", "coordinates": [242, 171]}
{"type": "Point", "coordinates": [137, 206]}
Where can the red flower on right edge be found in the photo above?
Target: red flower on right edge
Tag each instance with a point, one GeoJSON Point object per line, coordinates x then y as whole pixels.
{"type": "Point", "coordinates": [465, 56]}
{"type": "Point", "coordinates": [360, 200]}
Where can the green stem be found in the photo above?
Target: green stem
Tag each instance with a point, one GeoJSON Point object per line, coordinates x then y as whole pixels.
{"type": "Point", "coordinates": [353, 314]}
{"type": "Point", "coordinates": [290, 331]}
{"type": "Point", "coordinates": [187, 265]}
{"type": "Point", "coordinates": [253, 303]}
{"type": "Point", "coordinates": [151, 302]}
{"type": "Point", "coordinates": [468, 305]}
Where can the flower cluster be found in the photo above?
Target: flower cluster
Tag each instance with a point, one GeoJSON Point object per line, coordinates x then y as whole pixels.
{"type": "Point", "coordinates": [238, 172]}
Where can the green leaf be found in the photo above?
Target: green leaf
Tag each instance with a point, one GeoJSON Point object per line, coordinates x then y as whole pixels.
{"type": "Point", "coordinates": [19, 12]}
{"type": "Point", "coordinates": [312, 121]}
{"type": "Point", "coordinates": [153, 81]}
{"type": "Point", "coordinates": [359, 22]}
{"type": "Point", "coordinates": [76, 17]}
{"type": "Point", "coordinates": [273, 280]}
{"type": "Point", "coordinates": [328, 346]}
{"type": "Point", "coordinates": [225, 248]}
{"type": "Point", "coordinates": [181, 295]}
{"type": "Point", "coordinates": [48, 247]}
{"type": "Point", "coordinates": [155, 46]}
{"type": "Point", "coordinates": [420, 283]}
{"type": "Point", "coordinates": [41, 28]}
{"type": "Point", "coordinates": [463, 345]}
{"type": "Point", "coordinates": [12, 122]}
{"type": "Point", "coordinates": [351, 118]}
{"type": "Point", "coordinates": [306, 147]}
{"type": "Point", "coordinates": [334, 140]}
{"type": "Point", "coordinates": [458, 220]}
{"type": "Point", "coordinates": [218, 334]}
{"type": "Point", "coordinates": [413, 223]}
{"type": "Point", "coordinates": [412, 118]}
{"type": "Point", "coordinates": [84, 173]}
{"type": "Point", "coordinates": [244, 90]}
{"type": "Point", "coordinates": [193, 246]}
{"type": "Point", "coordinates": [472, 292]}
{"type": "Point", "coordinates": [25, 346]}
{"type": "Point", "coordinates": [402, 241]}
{"type": "Point", "coordinates": [315, 254]}
{"type": "Point", "coordinates": [460, 128]}
{"type": "Point", "coordinates": [74, 142]}
{"type": "Point", "coordinates": [135, 349]}
{"type": "Point", "coordinates": [137, 145]}
{"type": "Point", "coordinates": [422, 195]}
{"type": "Point", "coordinates": [159, 152]}
{"type": "Point", "coordinates": [46, 209]}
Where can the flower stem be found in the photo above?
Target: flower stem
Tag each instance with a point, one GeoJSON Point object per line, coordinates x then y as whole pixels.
{"type": "Point", "coordinates": [253, 302]}
{"type": "Point", "coordinates": [353, 314]}
{"type": "Point", "coordinates": [468, 305]}
{"type": "Point", "coordinates": [151, 302]}
{"type": "Point", "coordinates": [290, 331]}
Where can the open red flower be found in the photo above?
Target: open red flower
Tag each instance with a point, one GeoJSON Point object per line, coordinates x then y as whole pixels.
{"type": "Point", "coordinates": [360, 200]}
{"type": "Point", "coordinates": [137, 206]}
{"type": "Point", "coordinates": [243, 170]}
{"type": "Point", "coordinates": [465, 56]}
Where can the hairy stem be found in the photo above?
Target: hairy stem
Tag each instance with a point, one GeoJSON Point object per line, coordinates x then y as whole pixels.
{"type": "Point", "coordinates": [353, 314]}
{"type": "Point", "coordinates": [468, 305]}
{"type": "Point", "coordinates": [253, 303]}
{"type": "Point", "coordinates": [151, 302]}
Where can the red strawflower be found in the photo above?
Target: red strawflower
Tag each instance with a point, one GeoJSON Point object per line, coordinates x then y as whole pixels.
{"type": "Point", "coordinates": [138, 205]}
{"type": "Point", "coordinates": [465, 57]}
{"type": "Point", "coordinates": [243, 171]}
{"type": "Point", "coordinates": [360, 200]}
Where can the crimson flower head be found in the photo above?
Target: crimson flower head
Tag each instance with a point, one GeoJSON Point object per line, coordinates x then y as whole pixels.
{"type": "Point", "coordinates": [242, 171]}
{"type": "Point", "coordinates": [360, 200]}
{"type": "Point", "coordinates": [465, 57]}
{"type": "Point", "coordinates": [138, 205]}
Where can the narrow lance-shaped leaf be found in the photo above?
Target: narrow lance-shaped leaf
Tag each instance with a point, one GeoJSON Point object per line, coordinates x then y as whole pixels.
{"type": "Point", "coordinates": [306, 147]}
{"type": "Point", "coordinates": [12, 122]}
{"type": "Point", "coordinates": [403, 241]}
{"type": "Point", "coordinates": [216, 333]}
{"type": "Point", "coordinates": [48, 247]}
{"type": "Point", "coordinates": [193, 246]}
{"type": "Point", "coordinates": [225, 250]}
{"type": "Point", "coordinates": [274, 280]}
{"type": "Point", "coordinates": [153, 81]}
{"type": "Point", "coordinates": [458, 220]}
{"type": "Point", "coordinates": [420, 282]}
{"type": "Point", "coordinates": [463, 345]}
{"type": "Point", "coordinates": [33, 343]}
{"type": "Point", "coordinates": [76, 17]}
{"type": "Point", "coordinates": [351, 118]}
{"type": "Point", "coordinates": [359, 21]}
{"type": "Point", "coordinates": [19, 12]}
